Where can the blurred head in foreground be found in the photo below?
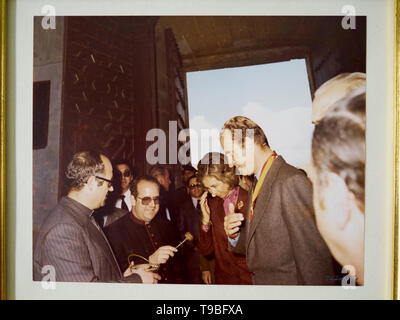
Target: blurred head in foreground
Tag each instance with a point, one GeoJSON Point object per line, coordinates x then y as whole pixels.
{"type": "Point", "coordinates": [334, 90]}
{"type": "Point", "coordinates": [338, 175]}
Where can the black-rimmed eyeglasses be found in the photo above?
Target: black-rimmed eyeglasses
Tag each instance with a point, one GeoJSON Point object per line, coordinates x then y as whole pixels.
{"type": "Point", "coordinates": [107, 180]}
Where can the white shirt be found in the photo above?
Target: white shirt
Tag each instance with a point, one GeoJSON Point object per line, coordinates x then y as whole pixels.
{"type": "Point", "coordinates": [194, 201]}
{"type": "Point", "coordinates": [167, 214]}
{"type": "Point", "coordinates": [127, 194]}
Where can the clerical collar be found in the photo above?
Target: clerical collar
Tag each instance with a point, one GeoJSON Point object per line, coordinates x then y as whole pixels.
{"type": "Point", "coordinates": [136, 220]}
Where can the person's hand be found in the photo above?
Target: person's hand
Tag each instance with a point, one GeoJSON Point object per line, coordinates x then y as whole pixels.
{"type": "Point", "coordinates": [162, 254]}
{"type": "Point", "coordinates": [232, 222]}
{"type": "Point", "coordinates": [146, 276]}
{"type": "Point", "coordinates": [205, 210]}
{"type": "Point", "coordinates": [206, 276]}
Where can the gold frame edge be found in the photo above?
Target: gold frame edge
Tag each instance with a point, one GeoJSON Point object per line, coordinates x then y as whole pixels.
{"type": "Point", "coordinates": [3, 37]}
{"type": "Point", "coordinates": [396, 226]}
{"type": "Point", "coordinates": [396, 206]}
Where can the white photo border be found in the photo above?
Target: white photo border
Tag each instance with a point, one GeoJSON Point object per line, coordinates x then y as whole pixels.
{"type": "Point", "coordinates": [379, 163]}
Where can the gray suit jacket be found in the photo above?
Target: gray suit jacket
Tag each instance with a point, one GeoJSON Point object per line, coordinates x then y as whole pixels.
{"type": "Point", "coordinates": [72, 242]}
{"type": "Point", "coordinates": [282, 243]}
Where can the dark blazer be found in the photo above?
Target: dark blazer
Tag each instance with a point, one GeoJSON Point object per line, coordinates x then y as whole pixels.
{"type": "Point", "coordinates": [230, 267]}
{"type": "Point", "coordinates": [189, 221]}
{"type": "Point", "coordinates": [108, 215]}
{"type": "Point", "coordinates": [72, 242]}
{"type": "Point", "coordinates": [282, 243]}
{"type": "Point", "coordinates": [167, 202]}
{"type": "Point", "coordinates": [180, 196]}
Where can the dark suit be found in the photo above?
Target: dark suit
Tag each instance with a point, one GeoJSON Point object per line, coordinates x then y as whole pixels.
{"type": "Point", "coordinates": [129, 235]}
{"type": "Point", "coordinates": [282, 243]}
{"type": "Point", "coordinates": [72, 242]}
{"type": "Point", "coordinates": [108, 215]}
{"type": "Point", "coordinates": [180, 196]}
{"type": "Point", "coordinates": [166, 202]}
{"type": "Point", "coordinates": [189, 221]}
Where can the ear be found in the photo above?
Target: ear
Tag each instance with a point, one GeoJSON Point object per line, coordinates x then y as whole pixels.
{"type": "Point", "coordinates": [91, 183]}
{"type": "Point", "coordinates": [339, 199]}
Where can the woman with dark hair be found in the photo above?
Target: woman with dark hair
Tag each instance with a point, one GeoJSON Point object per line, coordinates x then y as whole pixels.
{"type": "Point", "coordinates": [223, 196]}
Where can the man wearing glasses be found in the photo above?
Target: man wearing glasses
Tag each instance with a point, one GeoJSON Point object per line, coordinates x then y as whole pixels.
{"type": "Point", "coordinates": [189, 215]}
{"type": "Point", "coordinates": [125, 177]}
{"type": "Point", "coordinates": [70, 241]}
{"type": "Point", "coordinates": [139, 237]}
{"type": "Point", "coordinates": [118, 202]}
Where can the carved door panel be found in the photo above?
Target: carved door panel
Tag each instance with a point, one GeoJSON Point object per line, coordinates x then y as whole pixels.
{"type": "Point", "coordinates": [100, 107]}
{"type": "Point", "coordinates": [176, 88]}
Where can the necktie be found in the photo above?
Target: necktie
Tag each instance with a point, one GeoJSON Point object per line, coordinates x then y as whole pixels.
{"type": "Point", "coordinates": [253, 185]}
{"type": "Point", "coordinates": [198, 205]}
{"type": "Point", "coordinates": [257, 186]}
{"type": "Point", "coordinates": [123, 203]}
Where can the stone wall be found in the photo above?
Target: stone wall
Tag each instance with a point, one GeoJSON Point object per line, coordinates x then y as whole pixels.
{"type": "Point", "coordinates": [48, 65]}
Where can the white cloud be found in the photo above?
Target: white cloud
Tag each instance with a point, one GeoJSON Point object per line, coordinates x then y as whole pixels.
{"type": "Point", "coordinates": [289, 131]}
{"type": "Point", "coordinates": [201, 129]}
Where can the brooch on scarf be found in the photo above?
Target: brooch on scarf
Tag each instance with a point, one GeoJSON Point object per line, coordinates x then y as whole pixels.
{"type": "Point", "coordinates": [240, 205]}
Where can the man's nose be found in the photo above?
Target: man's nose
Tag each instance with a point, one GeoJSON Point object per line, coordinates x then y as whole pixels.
{"type": "Point", "coordinates": [152, 204]}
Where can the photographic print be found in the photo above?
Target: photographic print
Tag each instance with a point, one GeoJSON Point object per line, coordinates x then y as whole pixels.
{"type": "Point", "coordinates": [197, 155]}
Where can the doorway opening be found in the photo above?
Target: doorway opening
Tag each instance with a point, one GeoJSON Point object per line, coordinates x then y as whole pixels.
{"type": "Point", "coordinates": [275, 95]}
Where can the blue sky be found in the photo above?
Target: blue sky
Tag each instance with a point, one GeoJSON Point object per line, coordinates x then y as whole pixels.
{"type": "Point", "coordinates": [276, 96]}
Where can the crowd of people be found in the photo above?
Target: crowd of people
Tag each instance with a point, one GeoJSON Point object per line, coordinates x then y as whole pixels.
{"type": "Point", "coordinates": [240, 218]}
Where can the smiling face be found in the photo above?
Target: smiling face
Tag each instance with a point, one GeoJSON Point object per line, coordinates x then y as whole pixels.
{"type": "Point", "coordinates": [216, 187]}
{"type": "Point", "coordinates": [140, 210]}
{"type": "Point", "coordinates": [125, 180]}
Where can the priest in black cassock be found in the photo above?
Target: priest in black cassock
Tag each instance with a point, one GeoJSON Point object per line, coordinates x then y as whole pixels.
{"type": "Point", "coordinates": [139, 233]}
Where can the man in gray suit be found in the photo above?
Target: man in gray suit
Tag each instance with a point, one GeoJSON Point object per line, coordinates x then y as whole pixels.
{"type": "Point", "coordinates": [70, 241]}
{"type": "Point", "coordinates": [279, 235]}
